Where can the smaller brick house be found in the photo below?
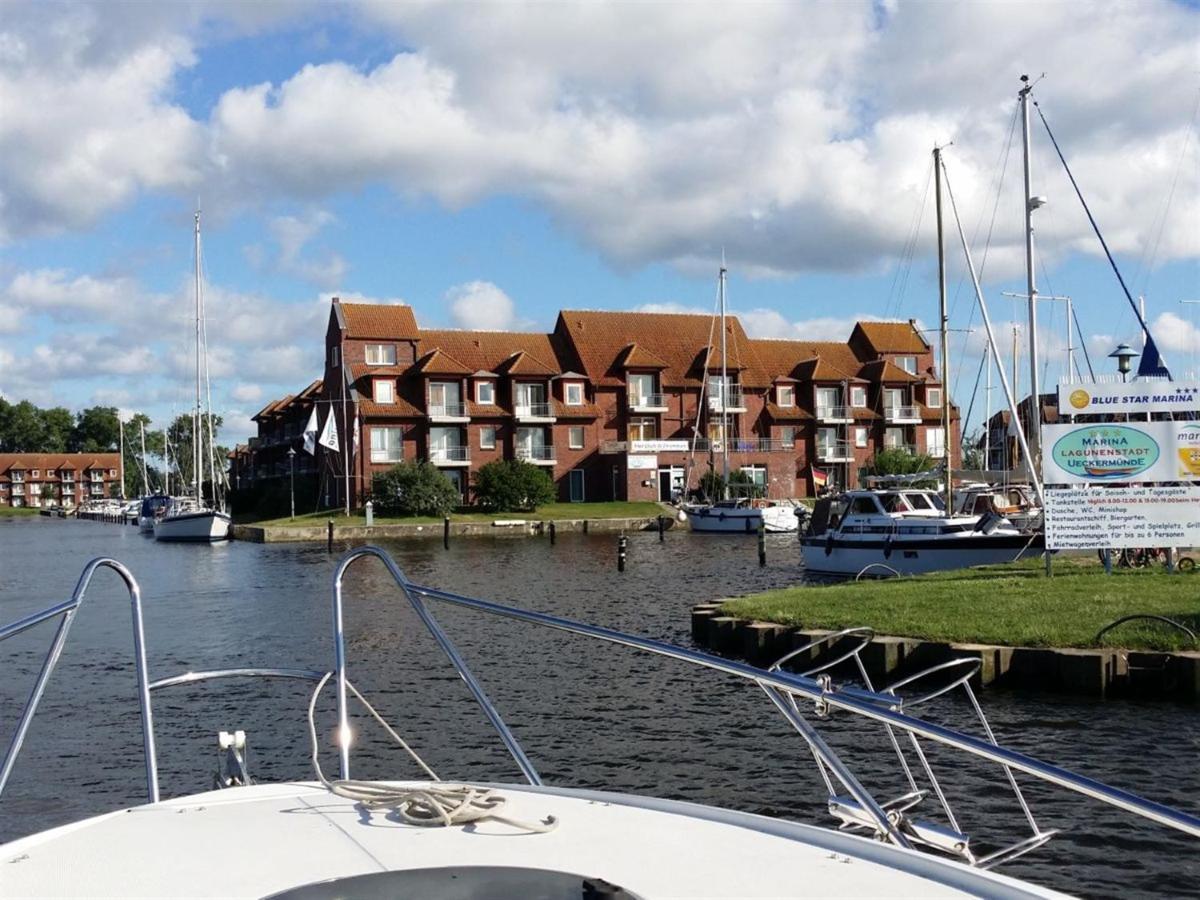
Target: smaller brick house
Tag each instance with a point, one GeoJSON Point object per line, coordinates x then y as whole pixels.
{"type": "Point", "coordinates": [66, 480]}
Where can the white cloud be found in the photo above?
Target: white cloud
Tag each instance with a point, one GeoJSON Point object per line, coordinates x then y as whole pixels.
{"type": "Point", "coordinates": [246, 393]}
{"type": "Point", "coordinates": [293, 234]}
{"type": "Point", "coordinates": [482, 306]}
{"type": "Point", "coordinates": [1175, 334]}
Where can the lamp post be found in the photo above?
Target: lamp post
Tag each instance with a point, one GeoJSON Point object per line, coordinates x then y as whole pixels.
{"type": "Point", "coordinates": [292, 466]}
{"type": "Point", "coordinates": [1123, 354]}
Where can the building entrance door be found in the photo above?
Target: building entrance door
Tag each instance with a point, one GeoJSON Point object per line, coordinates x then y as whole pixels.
{"type": "Point", "coordinates": [670, 484]}
{"type": "Point", "coordinates": [575, 485]}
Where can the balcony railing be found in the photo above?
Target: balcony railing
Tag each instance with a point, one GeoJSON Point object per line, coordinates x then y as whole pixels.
{"type": "Point", "coordinates": [18, 490]}
{"type": "Point", "coordinates": [536, 455]}
{"type": "Point", "coordinates": [534, 411]}
{"type": "Point", "coordinates": [901, 414]}
{"type": "Point", "coordinates": [647, 402]}
{"type": "Point", "coordinates": [449, 456]}
{"type": "Point", "coordinates": [835, 451]}
{"type": "Point", "coordinates": [834, 414]}
{"type": "Point", "coordinates": [729, 400]}
{"type": "Point", "coordinates": [447, 410]}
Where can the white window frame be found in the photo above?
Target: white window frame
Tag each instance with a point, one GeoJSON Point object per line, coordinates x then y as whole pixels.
{"type": "Point", "coordinates": [785, 395]}
{"type": "Point", "coordinates": [574, 430]}
{"type": "Point", "coordinates": [862, 436]}
{"type": "Point", "coordinates": [858, 396]}
{"type": "Point", "coordinates": [387, 453]}
{"type": "Point", "coordinates": [378, 355]}
{"type": "Point", "coordinates": [576, 388]}
{"type": "Point", "coordinates": [490, 388]}
{"type": "Point", "coordinates": [36, 473]}
{"type": "Point", "coordinates": [933, 397]}
{"type": "Point", "coordinates": [900, 363]}
{"type": "Point", "coordinates": [378, 383]}
{"type": "Point", "coordinates": [487, 437]}
{"type": "Point", "coordinates": [935, 448]}
{"type": "Point", "coordinates": [787, 435]}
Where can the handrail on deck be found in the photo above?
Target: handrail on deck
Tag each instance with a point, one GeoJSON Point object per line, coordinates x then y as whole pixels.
{"type": "Point", "coordinates": [67, 610]}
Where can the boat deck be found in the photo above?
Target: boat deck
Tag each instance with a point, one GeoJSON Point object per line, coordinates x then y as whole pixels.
{"type": "Point", "coordinates": [260, 840]}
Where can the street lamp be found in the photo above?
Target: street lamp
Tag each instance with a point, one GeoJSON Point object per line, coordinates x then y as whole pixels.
{"type": "Point", "coordinates": [292, 465]}
{"type": "Point", "coordinates": [1123, 354]}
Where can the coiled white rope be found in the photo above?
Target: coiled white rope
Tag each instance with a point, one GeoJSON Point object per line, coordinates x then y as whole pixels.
{"type": "Point", "coordinates": [434, 806]}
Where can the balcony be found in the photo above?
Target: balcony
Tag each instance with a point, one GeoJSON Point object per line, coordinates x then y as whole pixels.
{"type": "Point", "coordinates": [910, 449]}
{"type": "Point", "coordinates": [18, 490]}
{"type": "Point", "coordinates": [648, 403]}
{"type": "Point", "coordinates": [835, 451]}
{"type": "Point", "coordinates": [834, 414]}
{"type": "Point", "coordinates": [729, 400]}
{"type": "Point", "coordinates": [448, 412]}
{"type": "Point", "coordinates": [450, 456]}
{"type": "Point", "coordinates": [756, 445]}
{"type": "Point", "coordinates": [539, 456]}
{"type": "Point", "coordinates": [534, 412]}
{"type": "Point", "coordinates": [901, 415]}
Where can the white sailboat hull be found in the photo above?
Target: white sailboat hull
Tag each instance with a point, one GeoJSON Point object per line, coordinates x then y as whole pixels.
{"type": "Point", "coordinates": [843, 555]}
{"type": "Point", "coordinates": [205, 525]}
{"type": "Point", "coordinates": [710, 519]}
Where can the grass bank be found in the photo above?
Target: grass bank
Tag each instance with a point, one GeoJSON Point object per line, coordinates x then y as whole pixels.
{"type": "Point", "coordinates": [612, 510]}
{"type": "Point", "coordinates": [16, 512]}
{"type": "Point", "coordinates": [1014, 606]}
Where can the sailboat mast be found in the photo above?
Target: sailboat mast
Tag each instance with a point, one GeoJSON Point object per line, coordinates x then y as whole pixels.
{"type": "Point", "coordinates": [121, 429]}
{"type": "Point", "coordinates": [197, 415]}
{"type": "Point", "coordinates": [724, 395]}
{"type": "Point", "coordinates": [145, 479]}
{"type": "Point", "coordinates": [945, 322]}
{"type": "Point", "coordinates": [1031, 203]}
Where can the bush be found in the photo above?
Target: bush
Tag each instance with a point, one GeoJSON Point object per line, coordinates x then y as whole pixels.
{"type": "Point", "coordinates": [513, 485]}
{"type": "Point", "coordinates": [898, 462]}
{"type": "Point", "coordinates": [414, 489]}
{"type": "Point", "coordinates": [712, 485]}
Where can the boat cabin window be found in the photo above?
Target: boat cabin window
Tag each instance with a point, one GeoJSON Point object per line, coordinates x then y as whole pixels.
{"type": "Point", "coordinates": [895, 503]}
{"type": "Point", "coordinates": [863, 506]}
{"type": "Point", "coordinates": [919, 501]}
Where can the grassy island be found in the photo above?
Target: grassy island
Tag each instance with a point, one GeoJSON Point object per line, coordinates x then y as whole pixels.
{"type": "Point", "coordinates": [1015, 605]}
{"type": "Point", "coordinates": [546, 512]}
{"type": "Point", "coordinates": [16, 512]}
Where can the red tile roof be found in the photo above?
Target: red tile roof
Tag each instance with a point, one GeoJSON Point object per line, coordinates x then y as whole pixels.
{"type": "Point", "coordinates": [635, 357]}
{"type": "Point", "coordinates": [892, 337]}
{"type": "Point", "coordinates": [54, 462]}
{"type": "Point", "coordinates": [379, 320]}
{"type": "Point", "coordinates": [486, 350]}
{"type": "Point", "coordinates": [838, 362]}
{"type": "Point", "coordinates": [787, 413]}
{"type": "Point", "coordinates": [367, 407]}
{"type": "Point", "coordinates": [886, 371]}
{"type": "Point", "coordinates": [438, 362]}
{"type": "Point", "coordinates": [679, 340]}
{"type": "Point", "coordinates": [524, 363]}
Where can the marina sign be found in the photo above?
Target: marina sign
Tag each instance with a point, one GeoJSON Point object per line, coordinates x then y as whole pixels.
{"type": "Point", "coordinates": [1082, 518]}
{"type": "Point", "coordinates": [1135, 397]}
{"type": "Point", "coordinates": [1125, 452]}
{"type": "Point", "coordinates": [642, 462]}
{"type": "Point", "coordinates": [658, 446]}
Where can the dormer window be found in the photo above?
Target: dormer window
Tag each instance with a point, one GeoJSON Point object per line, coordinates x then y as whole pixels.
{"type": "Point", "coordinates": [384, 391]}
{"type": "Point", "coordinates": [36, 473]}
{"type": "Point", "coordinates": [381, 355]}
{"type": "Point", "coordinates": [858, 397]}
{"type": "Point", "coordinates": [574, 393]}
{"type": "Point", "coordinates": [785, 395]}
{"type": "Point", "coordinates": [907, 363]}
{"type": "Point", "coordinates": [485, 393]}
{"type": "Point", "coordinates": [933, 397]}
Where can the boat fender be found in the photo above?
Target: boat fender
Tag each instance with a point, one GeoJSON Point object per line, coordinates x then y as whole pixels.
{"type": "Point", "coordinates": [721, 517]}
{"type": "Point", "coordinates": [829, 544]}
{"type": "Point", "coordinates": [887, 547]}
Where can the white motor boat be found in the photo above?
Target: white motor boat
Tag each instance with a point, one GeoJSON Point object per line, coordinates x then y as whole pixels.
{"type": "Point", "coordinates": [187, 520]}
{"type": "Point", "coordinates": [906, 532]}
{"type": "Point", "coordinates": [1015, 502]}
{"type": "Point", "coordinates": [743, 516]}
{"type": "Point", "coordinates": [337, 837]}
{"type": "Point", "coordinates": [153, 508]}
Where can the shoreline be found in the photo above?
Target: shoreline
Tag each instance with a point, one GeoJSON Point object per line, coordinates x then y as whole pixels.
{"type": "Point", "coordinates": [514, 526]}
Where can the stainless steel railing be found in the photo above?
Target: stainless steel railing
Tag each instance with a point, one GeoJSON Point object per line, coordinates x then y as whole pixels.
{"type": "Point", "coordinates": [785, 690]}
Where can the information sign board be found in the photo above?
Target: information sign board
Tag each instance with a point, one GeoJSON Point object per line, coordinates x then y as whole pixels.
{"type": "Point", "coordinates": [1083, 518]}
{"type": "Point", "coordinates": [642, 462]}
{"type": "Point", "coordinates": [1077, 399]}
{"type": "Point", "coordinates": [660, 446]}
{"type": "Point", "coordinates": [1134, 452]}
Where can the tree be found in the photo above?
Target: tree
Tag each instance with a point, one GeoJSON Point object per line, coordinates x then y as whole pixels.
{"type": "Point", "coordinates": [48, 492]}
{"type": "Point", "coordinates": [740, 485]}
{"type": "Point", "coordinates": [414, 489]}
{"type": "Point", "coordinates": [57, 425]}
{"type": "Point", "coordinates": [179, 434]}
{"type": "Point", "coordinates": [972, 452]}
{"type": "Point", "coordinates": [96, 431]}
{"type": "Point", "coordinates": [23, 430]}
{"type": "Point", "coordinates": [513, 485]}
{"type": "Point", "coordinates": [897, 461]}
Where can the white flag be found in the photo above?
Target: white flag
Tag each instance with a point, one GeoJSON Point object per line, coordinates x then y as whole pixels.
{"type": "Point", "coordinates": [310, 434]}
{"type": "Point", "coordinates": [329, 437]}
{"type": "Point", "coordinates": [356, 430]}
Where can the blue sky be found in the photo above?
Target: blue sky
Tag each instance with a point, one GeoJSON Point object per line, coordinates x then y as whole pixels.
{"type": "Point", "coordinates": [491, 164]}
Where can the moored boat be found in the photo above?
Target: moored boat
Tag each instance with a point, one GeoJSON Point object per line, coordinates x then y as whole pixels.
{"type": "Point", "coordinates": [186, 520]}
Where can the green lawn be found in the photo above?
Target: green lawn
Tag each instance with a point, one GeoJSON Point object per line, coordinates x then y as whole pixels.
{"type": "Point", "coordinates": [1008, 605]}
{"type": "Point", "coordinates": [614, 510]}
{"type": "Point", "coordinates": [17, 511]}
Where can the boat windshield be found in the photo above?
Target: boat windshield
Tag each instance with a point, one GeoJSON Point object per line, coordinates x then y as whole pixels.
{"type": "Point", "coordinates": [153, 505]}
{"type": "Point", "coordinates": [919, 501]}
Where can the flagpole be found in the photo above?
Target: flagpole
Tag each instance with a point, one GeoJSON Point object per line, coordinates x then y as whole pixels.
{"type": "Point", "coordinates": [346, 450]}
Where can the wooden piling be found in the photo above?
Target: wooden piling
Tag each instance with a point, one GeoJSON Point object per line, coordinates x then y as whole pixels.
{"type": "Point", "coordinates": [762, 543]}
{"type": "Point", "coordinates": [660, 529]}
{"type": "Point", "coordinates": [446, 533]}
{"type": "Point", "coordinates": [553, 534]}
{"type": "Point", "coordinates": [622, 546]}
{"type": "Point", "coordinates": [329, 536]}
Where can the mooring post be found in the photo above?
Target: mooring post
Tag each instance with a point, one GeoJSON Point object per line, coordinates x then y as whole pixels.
{"type": "Point", "coordinates": [660, 529]}
{"type": "Point", "coordinates": [446, 533]}
{"type": "Point", "coordinates": [1049, 564]}
{"type": "Point", "coordinates": [329, 536]}
{"type": "Point", "coordinates": [622, 545]}
{"type": "Point", "coordinates": [762, 543]}
{"type": "Point", "coordinates": [1107, 561]}
{"type": "Point", "coordinates": [1171, 560]}
{"type": "Point", "coordinates": [585, 526]}
{"type": "Point", "coordinates": [553, 534]}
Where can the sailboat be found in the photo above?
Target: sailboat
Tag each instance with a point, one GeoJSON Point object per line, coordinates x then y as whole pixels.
{"type": "Point", "coordinates": [193, 518]}
{"type": "Point", "coordinates": [740, 515]}
{"type": "Point", "coordinates": [908, 531]}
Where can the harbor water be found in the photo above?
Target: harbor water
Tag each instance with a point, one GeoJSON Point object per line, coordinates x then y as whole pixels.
{"type": "Point", "coordinates": [589, 714]}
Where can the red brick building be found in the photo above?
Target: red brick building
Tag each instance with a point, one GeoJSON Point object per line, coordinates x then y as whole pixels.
{"type": "Point", "coordinates": [66, 480]}
{"type": "Point", "coordinates": [620, 405]}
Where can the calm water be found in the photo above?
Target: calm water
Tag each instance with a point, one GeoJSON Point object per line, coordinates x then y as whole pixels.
{"type": "Point", "coordinates": [589, 715]}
